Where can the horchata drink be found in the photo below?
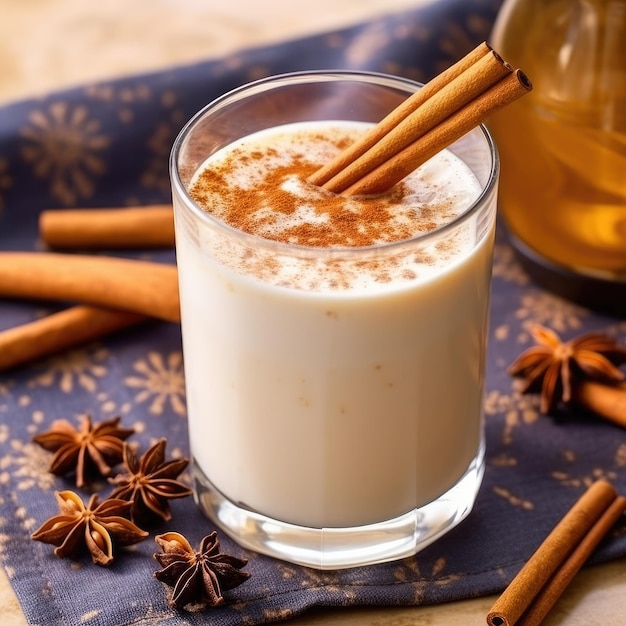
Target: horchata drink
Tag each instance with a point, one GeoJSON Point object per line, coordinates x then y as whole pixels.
{"type": "Point", "coordinates": [334, 346]}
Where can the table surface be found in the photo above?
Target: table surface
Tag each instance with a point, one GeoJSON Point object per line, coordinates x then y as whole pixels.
{"type": "Point", "coordinates": [32, 62]}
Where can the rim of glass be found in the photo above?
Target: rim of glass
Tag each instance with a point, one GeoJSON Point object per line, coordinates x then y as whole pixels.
{"type": "Point", "coordinates": [268, 83]}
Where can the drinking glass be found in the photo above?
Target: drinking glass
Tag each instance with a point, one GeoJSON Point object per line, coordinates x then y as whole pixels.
{"type": "Point", "coordinates": [332, 423]}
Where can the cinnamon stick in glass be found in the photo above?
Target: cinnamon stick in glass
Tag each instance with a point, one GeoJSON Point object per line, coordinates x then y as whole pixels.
{"type": "Point", "coordinates": [551, 554]}
{"type": "Point", "coordinates": [353, 152]}
{"type": "Point", "coordinates": [142, 287]}
{"type": "Point", "coordinates": [399, 165]}
{"type": "Point", "coordinates": [112, 228]}
{"type": "Point", "coordinates": [446, 108]}
{"type": "Point", "coordinates": [61, 331]}
{"type": "Point", "coordinates": [452, 97]}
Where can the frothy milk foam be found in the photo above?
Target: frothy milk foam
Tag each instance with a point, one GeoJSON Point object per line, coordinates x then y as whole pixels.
{"type": "Point", "coordinates": [327, 390]}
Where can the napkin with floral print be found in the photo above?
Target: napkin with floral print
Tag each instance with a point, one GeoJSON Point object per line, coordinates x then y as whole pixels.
{"type": "Point", "coordinates": [107, 144]}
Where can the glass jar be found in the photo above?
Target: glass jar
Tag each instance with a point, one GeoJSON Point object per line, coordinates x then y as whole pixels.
{"type": "Point", "coordinates": [563, 146]}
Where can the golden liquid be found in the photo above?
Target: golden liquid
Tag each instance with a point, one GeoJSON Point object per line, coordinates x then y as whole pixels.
{"type": "Point", "coordinates": [563, 146]}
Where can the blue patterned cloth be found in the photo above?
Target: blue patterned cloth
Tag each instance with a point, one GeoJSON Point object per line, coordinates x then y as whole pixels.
{"type": "Point", "coordinates": [107, 145]}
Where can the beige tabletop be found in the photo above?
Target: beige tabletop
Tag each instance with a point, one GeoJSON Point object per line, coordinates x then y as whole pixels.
{"type": "Point", "coordinates": [47, 44]}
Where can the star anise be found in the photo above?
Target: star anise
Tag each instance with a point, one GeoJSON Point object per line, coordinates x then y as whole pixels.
{"type": "Point", "coordinates": [150, 482]}
{"type": "Point", "coordinates": [99, 527]}
{"type": "Point", "coordinates": [90, 451]}
{"type": "Point", "coordinates": [553, 367]}
{"type": "Point", "coordinates": [197, 577]}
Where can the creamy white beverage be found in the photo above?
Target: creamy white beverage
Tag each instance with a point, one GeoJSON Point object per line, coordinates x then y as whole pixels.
{"type": "Point", "coordinates": [334, 364]}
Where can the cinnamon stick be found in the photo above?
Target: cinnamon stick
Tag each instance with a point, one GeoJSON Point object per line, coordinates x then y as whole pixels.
{"type": "Point", "coordinates": [454, 95]}
{"type": "Point", "coordinates": [399, 165]}
{"type": "Point", "coordinates": [112, 228]}
{"type": "Point", "coordinates": [557, 585]}
{"type": "Point", "coordinates": [607, 401]}
{"type": "Point", "coordinates": [60, 331]}
{"type": "Point", "coordinates": [551, 554]}
{"type": "Point", "coordinates": [142, 287]}
{"type": "Point", "coordinates": [377, 132]}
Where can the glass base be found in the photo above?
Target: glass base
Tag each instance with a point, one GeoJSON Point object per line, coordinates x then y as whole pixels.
{"type": "Point", "coordinates": [339, 548]}
{"type": "Point", "coordinates": [605, 294]}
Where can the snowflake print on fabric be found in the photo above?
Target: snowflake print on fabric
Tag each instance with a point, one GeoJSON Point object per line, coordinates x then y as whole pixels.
{"type": "Point", "coordinates": [160, 381]}
{"type": "Point", "coordinates": [72, 369]}
{"type": "Point", "coordinates": [517, 410]}
{"type": "Point", "coordinates": [539, 307]}
{"type": "Point", "coordinates": [512, 499]}
{"type": "Point", "coordinates": [574, 471]}
{"type": "Point", "coordinates": [63, 144]}
{"type": "Point", "coordinates": [26, 467]}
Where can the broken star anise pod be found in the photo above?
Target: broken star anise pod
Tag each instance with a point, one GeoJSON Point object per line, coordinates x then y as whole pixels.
{"type": "Point", "coordinates": [149, 482]}
{"type": "Point", "coordinates": [553, 367]}
{"type": "Point", "coordinates": [91, 451]}
{"type": "Point", "coordinates": [197, 577]}
{"type": "Point", "coordinates": [98, 527]}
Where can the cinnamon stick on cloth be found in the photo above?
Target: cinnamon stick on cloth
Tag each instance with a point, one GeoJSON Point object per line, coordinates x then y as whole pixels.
{"type": "Point", "coordinates": [607, 401]}
{"type": "Point", "coordinates": [60, 331]}
{"type": "Point", "coordinates": [142, 287]}
{"type": "Point", "coordinates": [548, 571]}
{"type": "Point", "coordinates": [553, 590]}
{"type": "Point", "coordinates": [113, 228]}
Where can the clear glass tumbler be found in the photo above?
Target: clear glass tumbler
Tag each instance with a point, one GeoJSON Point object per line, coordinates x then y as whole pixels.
{"type": "Point", "coordinates": [332, 424]}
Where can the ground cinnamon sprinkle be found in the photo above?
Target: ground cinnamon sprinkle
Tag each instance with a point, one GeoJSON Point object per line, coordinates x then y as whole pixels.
{"type": "Point", "coordinates": [336, 221]}
{"type": "Point", "coordinates": [343, 226]}
{"type": "Point", "coordinates": [263, 191]}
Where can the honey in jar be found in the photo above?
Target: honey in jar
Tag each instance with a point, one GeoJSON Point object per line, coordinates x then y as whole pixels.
{"type": "Point", "coordinates": [563, 146]}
